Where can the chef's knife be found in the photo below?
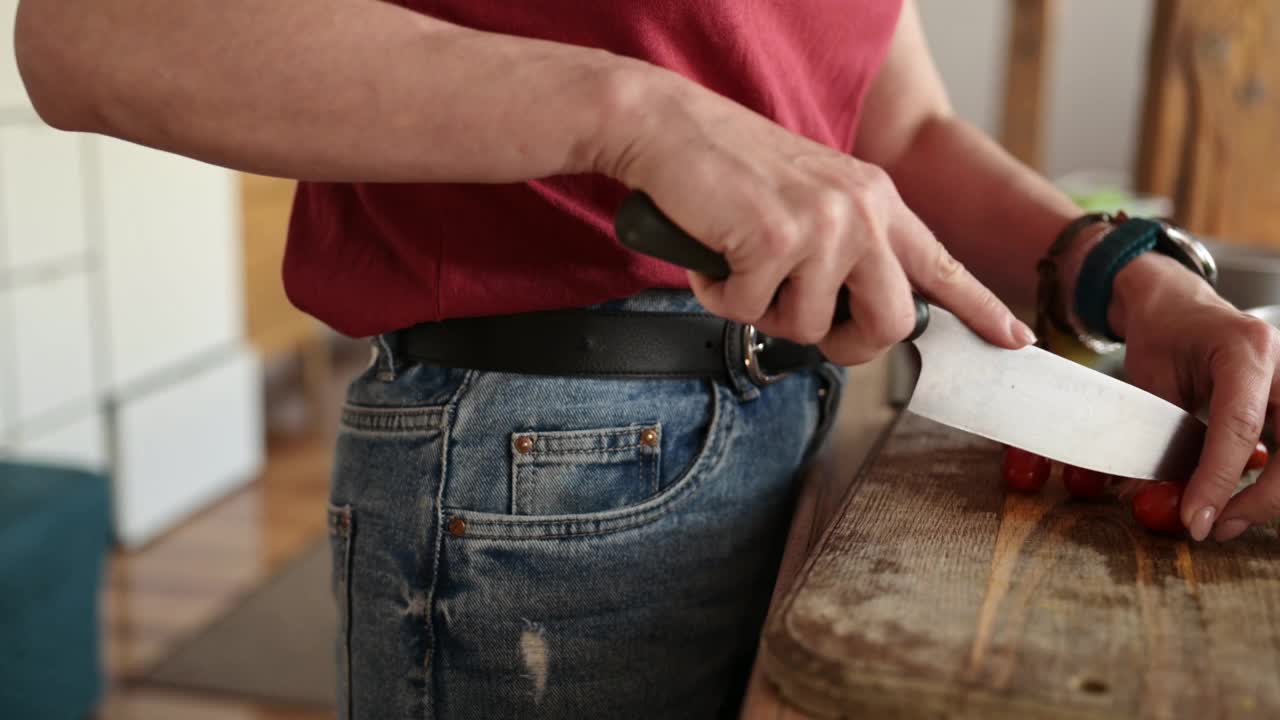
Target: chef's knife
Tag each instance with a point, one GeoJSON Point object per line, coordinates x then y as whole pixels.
{"type": "Point", "coordinates": [1027, 398]}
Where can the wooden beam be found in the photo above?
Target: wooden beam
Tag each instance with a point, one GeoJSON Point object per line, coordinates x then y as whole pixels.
{"type": "Point", "coordinates": [1210, 127]}
{"type": "Point", "coordinates": [1158, 156]}
{"type": "Point", "coordinates": [1031, 35]}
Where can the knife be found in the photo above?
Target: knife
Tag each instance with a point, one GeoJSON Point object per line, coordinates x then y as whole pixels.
{"type": "Point", "coordinates": [1027, 398]}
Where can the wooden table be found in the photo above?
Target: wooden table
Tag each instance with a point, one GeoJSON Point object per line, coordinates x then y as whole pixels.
{"type": "Point", "coordinates": [928, 591]}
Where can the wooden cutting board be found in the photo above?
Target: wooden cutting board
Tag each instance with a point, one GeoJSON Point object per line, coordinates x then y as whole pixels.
{"type": "Point", "coordinates": [935, 594]}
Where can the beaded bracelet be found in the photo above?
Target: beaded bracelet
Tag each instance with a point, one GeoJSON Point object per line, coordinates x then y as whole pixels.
{"type": "Point", "coordinates": [1048, 293]}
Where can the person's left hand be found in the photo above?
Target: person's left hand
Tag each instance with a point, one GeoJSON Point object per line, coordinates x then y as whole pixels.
{"type": "Point", "coordinates": [1194, 349]}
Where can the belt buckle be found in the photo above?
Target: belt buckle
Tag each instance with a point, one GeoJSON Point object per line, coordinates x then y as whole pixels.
{"type": "Point", "coordinates": [751, 347]}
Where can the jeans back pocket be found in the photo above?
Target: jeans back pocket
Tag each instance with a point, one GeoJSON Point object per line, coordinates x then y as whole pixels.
{"type": "Point", "coordinates": [583, 471]}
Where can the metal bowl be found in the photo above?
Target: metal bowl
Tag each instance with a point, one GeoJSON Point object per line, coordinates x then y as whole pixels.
{"type": "Point", "coordinates": [1269, 313]}
{"type": "Point", "coordinates": [1248, 277]}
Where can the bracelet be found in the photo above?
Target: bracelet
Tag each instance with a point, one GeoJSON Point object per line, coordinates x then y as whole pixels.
{"type": "Point", "coordinates": [1048, 292]}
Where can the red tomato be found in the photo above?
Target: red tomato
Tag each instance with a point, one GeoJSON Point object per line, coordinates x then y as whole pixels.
{"type": "Point", "coordinates": [1024, 471]}
{"type": "Point", "coordinates": [1259, 458]}
{"type": "Point", "coordinates": [1155, 507]}
{"type": "Point", "coordinates": [1084, 484]}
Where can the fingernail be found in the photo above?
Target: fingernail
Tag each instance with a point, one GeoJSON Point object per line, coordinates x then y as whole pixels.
{"type": "Point", "coordinates": [1202, 523]}
{"type": "Point", "coordinates": [1230, 529]}
{"type": "Point", "coordinates": [1022, 332]}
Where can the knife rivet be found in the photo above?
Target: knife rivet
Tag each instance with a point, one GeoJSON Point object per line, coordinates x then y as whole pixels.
{"type": "Point", "coordinates": [822, 392]}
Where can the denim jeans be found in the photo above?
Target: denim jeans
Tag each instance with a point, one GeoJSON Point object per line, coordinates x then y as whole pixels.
{"type": "Point", "coordinates": [515, 546]}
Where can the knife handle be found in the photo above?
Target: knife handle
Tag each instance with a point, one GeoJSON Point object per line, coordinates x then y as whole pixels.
{"type": "Point", "coordinates": [641, 226]}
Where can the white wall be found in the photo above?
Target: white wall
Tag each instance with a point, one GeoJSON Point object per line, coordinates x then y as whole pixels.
{"type": "Point", "coordinates": [1096, 86]}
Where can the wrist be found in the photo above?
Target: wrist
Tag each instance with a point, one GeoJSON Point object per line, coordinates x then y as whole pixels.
{"type": "Point", "coordinates": [1146, 283]}
{"type": "Point", "coordinates": [625, 96]}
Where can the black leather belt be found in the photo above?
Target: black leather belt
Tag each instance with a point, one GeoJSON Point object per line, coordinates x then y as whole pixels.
{"type": "Point", "coordinates": [592, 343]}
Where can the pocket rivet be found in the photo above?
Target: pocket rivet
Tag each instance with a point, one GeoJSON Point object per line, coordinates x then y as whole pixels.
{"type": "Point", "coordinates": [457, 527]}
{"type": "Point", "coordinates": [524, 444]}
{"type": "Point", "coordinates": [649, 437]}
{"type": "Point", "coordinates": [822, 392]}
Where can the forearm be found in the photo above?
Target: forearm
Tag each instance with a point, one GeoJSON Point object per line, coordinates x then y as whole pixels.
{"type": "Point", "coordinates": [321, 90]}
{"type": "Point", "coordinates": [995, 215]}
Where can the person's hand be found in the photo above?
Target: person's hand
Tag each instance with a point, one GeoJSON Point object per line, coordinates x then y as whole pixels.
{"type": "Point", "coordinates": [1189, 346]}
{"type": "Point", "coordinates": [794, 219]}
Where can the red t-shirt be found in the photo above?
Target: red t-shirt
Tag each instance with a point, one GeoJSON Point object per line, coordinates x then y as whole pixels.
{"type": "Point", "coordinates": [370, 258]}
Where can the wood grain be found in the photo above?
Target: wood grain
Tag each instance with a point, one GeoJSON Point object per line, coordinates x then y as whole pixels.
{"type": "Point", "coordinates": [936, 594]}
{"type": "Point", "coordinates": [1210, 129]}
{"type": "Point", "coordinates": [1031, 34]}
{"type": "Point", "coordinates": [274, 324]}
{"type": "Point", "coordinates": [143, 703]}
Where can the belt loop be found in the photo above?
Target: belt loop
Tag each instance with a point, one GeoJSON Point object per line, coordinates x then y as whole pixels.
{"type": "Point", "coordinates": [387, 345]}
{"type": "Point", "coordinates": [736, 362]}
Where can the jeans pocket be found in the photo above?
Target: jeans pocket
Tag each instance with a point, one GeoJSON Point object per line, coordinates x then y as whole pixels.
{"type": "Point", "coordinates": [626, 476]}
{"type": "Point", "coordinates": [583, 471]}
{"type": "Point", "coordinates": [340, 535]}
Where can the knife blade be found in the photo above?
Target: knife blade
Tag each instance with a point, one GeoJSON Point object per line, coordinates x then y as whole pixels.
{"type": "Point", "coordinates": [1027, 398]}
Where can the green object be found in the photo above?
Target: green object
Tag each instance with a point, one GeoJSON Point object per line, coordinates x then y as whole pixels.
{"type": "Point", "coordinates": [1104, 200]}
{"type": "Point", "coordinates": [1105, 197]}
{"type": "Point", "coordinates": [54, 534]}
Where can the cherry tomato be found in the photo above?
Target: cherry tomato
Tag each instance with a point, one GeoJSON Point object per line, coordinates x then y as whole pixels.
{"type": "Point", "coordinates": [1155, 507]}
{"type": "Point", "coordinates": [1258, 459]}
{"type": "Point", "coordinates": [1084, 484]}
{"type": "Point", "coordinates": [1024, 471]}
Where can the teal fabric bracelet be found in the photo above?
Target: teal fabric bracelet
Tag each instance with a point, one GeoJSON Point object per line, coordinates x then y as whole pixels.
{"type": "Point", "coordinates": [1118, 248]}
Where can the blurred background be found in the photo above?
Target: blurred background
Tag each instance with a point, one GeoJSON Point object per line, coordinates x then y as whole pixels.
{"type": "Point", "coordinates": [165, 409]}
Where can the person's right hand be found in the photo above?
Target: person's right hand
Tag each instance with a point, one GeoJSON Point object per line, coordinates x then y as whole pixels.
{"type": "Point", "coordinates": [793, 218]}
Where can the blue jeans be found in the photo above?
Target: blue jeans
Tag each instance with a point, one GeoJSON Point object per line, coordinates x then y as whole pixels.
{"type": "Point", "coordinates": [513, 546]}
